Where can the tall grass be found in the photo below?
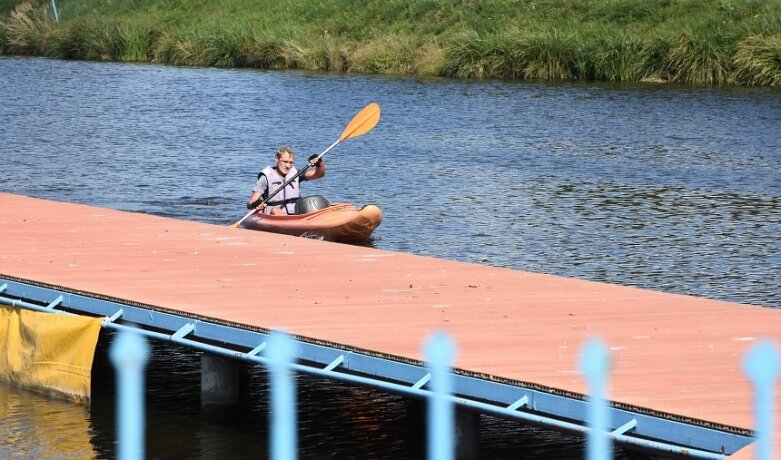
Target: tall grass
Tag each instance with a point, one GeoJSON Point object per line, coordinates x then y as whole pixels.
{"type": "Point", "coordinates": [651, 61]}
{"type": "Point", "coordinates": [757, 61]}
{"type": "Point", "coordinates": [28, 30]}
{"type": "Point", "coordinates": [266, 52]}
{"type": "Point", "coordinates": [621, 58]}
{"type": "Point", "coordinates": [550, 55]}
{"type": "Point", "coordinates": [554, 55]}
{"type": "Point", "coordinates": [137, 41]}
{"type": "Point", "coordinates": [473, 55]}
{"type": "Point", "coordinates": [390, 54]}
{"type": "Point", "coordinates": [103, 42]}
{"type": "Point", "coordinates": [698, 42]}
{"type": "Point", "coordinates": [3, 38]}
{"type": "Point", "coordinates": [333, 54]}
{"type": "Point", "coordinates": [696, 60]}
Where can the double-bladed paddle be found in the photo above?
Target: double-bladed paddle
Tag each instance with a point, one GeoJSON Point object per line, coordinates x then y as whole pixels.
{"type": "Point", "coordinates": [361, 124]}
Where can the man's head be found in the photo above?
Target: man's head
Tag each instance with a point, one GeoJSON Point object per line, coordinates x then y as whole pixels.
{"type": "Point", "coordinates": [285, 157]}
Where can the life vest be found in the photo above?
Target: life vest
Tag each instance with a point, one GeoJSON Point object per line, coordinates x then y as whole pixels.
{"type": "Point", "coordinates": [287, 197]}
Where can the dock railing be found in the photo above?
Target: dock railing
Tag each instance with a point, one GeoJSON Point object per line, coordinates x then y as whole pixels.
{"type": "Point", "coordinates": [129, 354]}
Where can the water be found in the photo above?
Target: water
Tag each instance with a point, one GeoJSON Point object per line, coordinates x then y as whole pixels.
{"type": "Point", "coordinates": [666, 188]}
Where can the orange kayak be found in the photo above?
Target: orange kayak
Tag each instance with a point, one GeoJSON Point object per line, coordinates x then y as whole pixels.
{"type": "Point", "coordinates": [340, 222]}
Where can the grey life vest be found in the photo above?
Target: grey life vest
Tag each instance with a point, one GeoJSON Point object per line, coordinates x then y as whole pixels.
{"type": "Point", "coordinates": [285, 198]}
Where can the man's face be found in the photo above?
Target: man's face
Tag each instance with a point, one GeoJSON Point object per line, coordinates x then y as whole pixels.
{"type": "Point", "coordinates": [285, 163]}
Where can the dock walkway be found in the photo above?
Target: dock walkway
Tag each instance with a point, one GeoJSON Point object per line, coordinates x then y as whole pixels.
{"type": "Point", "coordinates": [672, 354]}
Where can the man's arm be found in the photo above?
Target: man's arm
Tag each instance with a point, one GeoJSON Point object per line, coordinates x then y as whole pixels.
{"type": "Point", "coordinates": [254, 200]}
{"type": "Point", "coordinates": [319, 170]}
{"type": "Point", "coordinates": [257, 192]}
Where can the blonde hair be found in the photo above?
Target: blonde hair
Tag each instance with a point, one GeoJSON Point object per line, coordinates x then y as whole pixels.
{"type": "Point", "coordinates": [285, 149]}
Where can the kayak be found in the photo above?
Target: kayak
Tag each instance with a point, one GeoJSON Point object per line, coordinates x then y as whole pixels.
{"type": "Point", "coordinates": [339, 222]}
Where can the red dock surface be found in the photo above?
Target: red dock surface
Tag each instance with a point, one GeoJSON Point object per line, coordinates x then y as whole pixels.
{"type": "Point", "coordinates": [673, 354]}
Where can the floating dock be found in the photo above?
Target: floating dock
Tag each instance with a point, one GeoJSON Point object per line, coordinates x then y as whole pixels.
{"type": "Point", "coordinates": [676, 381]}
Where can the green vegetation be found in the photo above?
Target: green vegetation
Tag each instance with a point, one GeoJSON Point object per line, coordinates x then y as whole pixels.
{"type": "Point", "coordinates": [698, 42]}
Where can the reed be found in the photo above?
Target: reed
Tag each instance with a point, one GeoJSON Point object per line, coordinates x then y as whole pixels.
{"type": "Point", "coordinates": [240, 46]}
{"type": "Point", "coordinates": [757, 61]}
{"type": "Point", "coordinates": [222, 47]}
{"type": "Point", "coordinates": [175, 49]}
{"type": "Point", "coordinates": [651, 63]}
{"type": "Point", "coordinates": [472, 55]}
{"type": "Point", "coordinates": [326, 53]}
{"type": "Point", "coordinates": [103, 42]}
{"type": "Point", "coordinates": [619, 58]}
{"type": "Point", "coordinates": [550, 55]}
{"type": "Point", "coordinates": [214, 47]}
{"type": "Point", "coordinates": [28, 30]}
{"type": "Point", "coordinates": [295, 55]}
{"type": "Point", "coordinates": [70, 42]}
{"type": "Point", "coordinates": [698, 42]}
{"type": "Point", "coordinates": [3, 38]}
{"type": "Point", "coordinates": [137, 42]}
{"type": "Point", "coordinates": [695, 60]}
{"type": "Point", "coordinates": [266, 53]}
{"type": "Point", "coordinates": [391, 54]}
{"type": "Point", "coordinates": [431, 58]}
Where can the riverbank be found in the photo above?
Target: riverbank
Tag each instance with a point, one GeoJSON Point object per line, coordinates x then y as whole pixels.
{"type": "Point", "coordinates": [694, 42]}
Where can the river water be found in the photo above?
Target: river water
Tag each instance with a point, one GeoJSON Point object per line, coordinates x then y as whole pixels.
{"type": "Point", "coordinates": [667, 188]}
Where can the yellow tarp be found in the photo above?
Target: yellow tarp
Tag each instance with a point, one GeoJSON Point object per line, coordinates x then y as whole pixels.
{"type": "Point", "coordinates": [48, 352]}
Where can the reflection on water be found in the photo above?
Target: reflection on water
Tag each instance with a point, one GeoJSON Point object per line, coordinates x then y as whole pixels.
{"type": "Point", "coordinates": [34, 426]}
{"type": "Point", "coordinates": [665, 188]}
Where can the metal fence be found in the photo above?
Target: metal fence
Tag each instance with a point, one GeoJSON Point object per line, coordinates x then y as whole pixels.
{"type": "Point", "coordinates": [129, 354]}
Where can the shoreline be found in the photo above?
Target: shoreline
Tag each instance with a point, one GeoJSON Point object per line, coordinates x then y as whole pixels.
{"type": "Point", "coordinates": [715, 45]}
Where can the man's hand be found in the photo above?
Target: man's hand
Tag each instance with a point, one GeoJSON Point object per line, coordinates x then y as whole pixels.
{"type": "Point", "coordinates": [257, 204]}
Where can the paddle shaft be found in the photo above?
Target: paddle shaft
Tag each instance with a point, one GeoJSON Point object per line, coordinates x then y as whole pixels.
{"type": "Point", "coordinates": [317, 158]}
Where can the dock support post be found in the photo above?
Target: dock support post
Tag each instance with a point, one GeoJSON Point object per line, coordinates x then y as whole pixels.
{"type": "Point", "coordinates": [467, 434]}
{"type": "Point", "coordinates": [219, 381]}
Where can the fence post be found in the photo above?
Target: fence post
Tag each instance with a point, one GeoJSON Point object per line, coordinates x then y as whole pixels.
{"type": "Point", "coordinates": [54, 9]}
{"type": "Point", "coordinates": [129, 354]}
{"type": "Point", "coordinates": [282, 352]}
{"type": "Point", "coordinates": [761, 364]}
{"type": "Point", "coordinates": [439, 352]}
{"type": "Point", "coordinates": [595, 364]}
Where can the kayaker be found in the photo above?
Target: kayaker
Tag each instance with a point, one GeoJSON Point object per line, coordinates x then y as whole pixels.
{"type": "Point", "coordinates": [284, 201]}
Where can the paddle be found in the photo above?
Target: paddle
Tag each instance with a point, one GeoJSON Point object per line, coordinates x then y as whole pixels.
{"type": "Point", "coordinates": [361, 124]}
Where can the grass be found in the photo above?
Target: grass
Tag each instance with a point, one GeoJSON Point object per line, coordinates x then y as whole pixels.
{"type": "Point", "coordinates": [757, 61]}
{"type": "Point", "coordinates": [694, 42]}
{"type": "Point", "coordinates": [28, 30]}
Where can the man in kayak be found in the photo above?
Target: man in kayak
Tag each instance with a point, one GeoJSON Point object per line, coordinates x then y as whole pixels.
{"type": "Point", "coordinates": [272, 177]}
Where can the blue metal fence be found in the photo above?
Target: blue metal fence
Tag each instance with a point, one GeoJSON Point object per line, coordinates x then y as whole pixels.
{"type": "Point", "coordinates": [129, 354]}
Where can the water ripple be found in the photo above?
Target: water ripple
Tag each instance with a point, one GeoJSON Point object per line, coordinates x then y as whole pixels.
{"type": "Point", "coordinates": [671, 189]}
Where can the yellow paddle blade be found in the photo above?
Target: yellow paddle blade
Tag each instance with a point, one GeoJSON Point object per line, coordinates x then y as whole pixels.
{"type": "Point", "coordinates": [363, 122]}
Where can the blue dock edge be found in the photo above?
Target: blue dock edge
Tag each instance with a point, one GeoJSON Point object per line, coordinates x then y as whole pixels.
{"type": "Point", "coordinates": [592, 417]}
